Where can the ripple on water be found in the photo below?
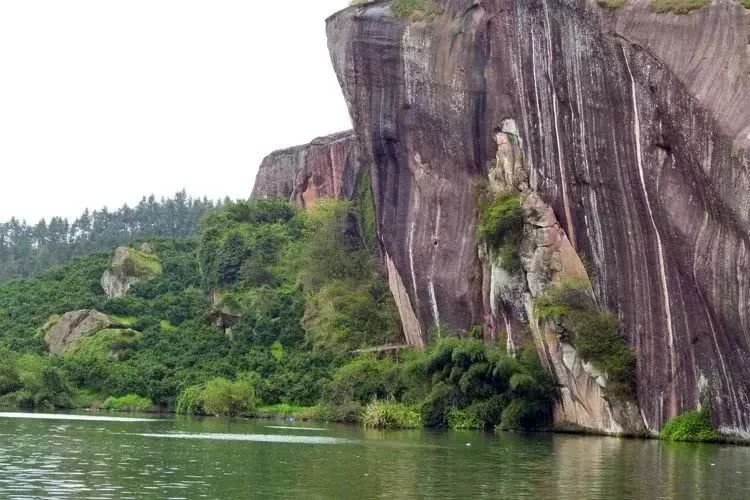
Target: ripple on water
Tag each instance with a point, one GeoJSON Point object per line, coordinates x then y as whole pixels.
{"type": "Point", "coordinates": [287, 427]}
{"type": "Point", "coordinates": [90, 418]}
{"type": "Point", "coordinates": [259, 438]}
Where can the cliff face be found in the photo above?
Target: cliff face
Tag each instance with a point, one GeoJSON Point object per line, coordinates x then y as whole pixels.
{"type": "Point", "coordinates": [630, 126]}
{"type": "Point", "coordinates": [325, 168]}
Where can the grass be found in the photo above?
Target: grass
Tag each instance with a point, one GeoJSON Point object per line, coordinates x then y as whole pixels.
{"type": "Point", "coordinates": [691, 426]}
{"type": "Point", "coordinates": [286, 410]}
{"type": "Point", "coordinates": [107, 344]}
{"type": "Point", "coordinates": [130, 402]}
{"type": "Point", "coordinates": [611, 4]}
{"type": "Point", "coordinates": [123, 320]}
{"type": "Point", "coordinates": [464, 419]}
{"type": "Point", "coordinates": [679, 7]}
{"type": "Point", "coordinates": [167, 326]}
{"type": "Point", "coordinates": [415, 10]}
{"type": "Point", "coordinates": [140, 264]}
{"type": "Point", "coordinates": [391, 415]}
{"type": "Point", "coordinates": [745, 3]}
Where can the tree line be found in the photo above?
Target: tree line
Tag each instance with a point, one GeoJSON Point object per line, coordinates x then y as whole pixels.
{"type": "Point", "coordinates": [27, 249]}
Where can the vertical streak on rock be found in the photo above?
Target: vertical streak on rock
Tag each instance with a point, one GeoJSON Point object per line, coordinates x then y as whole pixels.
{"type": "Point", "coordinates": [510, 346]}
{"type": "Point", "coordinates": [533, 173]}
{"type": "Point", "coordinates": [596, 239]}
{"type": "Point", "coordinates": [660, 249]}
{"type": "Point", "coordinates": [724, 371]}
{"type": "Point", "coordinates": [742, 302]}
{"type": "Point", "coordinates": [555, 112]}
{"type": "Point", "coordinates": [411, 259]}
{"type": "Point", "coordinates": [435, 238]}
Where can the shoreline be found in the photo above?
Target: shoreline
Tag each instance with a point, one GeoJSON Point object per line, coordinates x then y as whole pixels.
{"type": "Point", "coordinates": [264, 413]}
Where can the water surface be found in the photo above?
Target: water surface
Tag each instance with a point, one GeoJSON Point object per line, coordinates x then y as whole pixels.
{"type": "Point", "coordinates": [64, 456]}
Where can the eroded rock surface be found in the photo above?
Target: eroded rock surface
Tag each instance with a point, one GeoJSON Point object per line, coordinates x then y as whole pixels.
{"type": "Point", "coordinates": [129, 266]}
{"type": "Point", "coordinates": [633, 128]}
{"type": "Point", "coordinates": [325, 168]}
{"type": "Point", "coordinates": [61, 333]}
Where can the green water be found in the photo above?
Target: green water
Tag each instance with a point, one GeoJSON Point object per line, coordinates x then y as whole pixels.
{"type": "Point", "coordinates": [59, 457]}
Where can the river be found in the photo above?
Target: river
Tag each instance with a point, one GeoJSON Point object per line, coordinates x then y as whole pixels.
{"type": "Point", "coordinates": [71, 456]}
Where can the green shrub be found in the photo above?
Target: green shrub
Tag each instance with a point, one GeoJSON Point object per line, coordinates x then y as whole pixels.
{"type": "Point", "coordinates": [501, 228]}
{"type": "Point", "coordinates": [415, 9]}
{"type": "Point", "coordinates": [283, 410]}
{"type": "Point", "coordinates": [611, 4]}
{"type": "Point", "coordinates": [362, 379]}
{"type": "Point", "coordinates": [678, 6]}
{"type": "Point", "coordinates": [390, 415]}
{"type": "Point", "coordinates": [595, 334]}
{"type": "Point", "coordinates": [222, 397]}
{"type": "Point", "coordinates": [44, 386]}
{"type": "Point", "coordinates": [130, 403]}
{"type": "Point", "coordinates": [140, 264]}
{"type": "Point", "coordinates": [189, 402]}
{"type": "Point", "coordinates": [745, 3]}
{"type": "Point", "coordinates": [347, 412]}
{"type": "Point", "coordinates": [690, 426]}
{"type": "Point", "coordinates": [464, 419]}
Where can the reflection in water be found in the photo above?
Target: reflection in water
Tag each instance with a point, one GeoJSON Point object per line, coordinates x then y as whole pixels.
{"type": "Point", "coordinates": [295, 428]}
{"type": "Point", "coordinates": [259, 438]}
{"type": "Point", "coordinates": [214, 458]}
{"type": "Point", "coordinates": [64, 416]}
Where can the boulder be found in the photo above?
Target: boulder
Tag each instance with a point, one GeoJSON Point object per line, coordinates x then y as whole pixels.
{"type": "Point", "coordinates": [129, 266]}
{"type": "Point", "coordinates": [60, 333]}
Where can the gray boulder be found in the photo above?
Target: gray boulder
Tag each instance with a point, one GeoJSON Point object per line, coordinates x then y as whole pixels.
{"type": "Point", "coordinates": [61, 332]}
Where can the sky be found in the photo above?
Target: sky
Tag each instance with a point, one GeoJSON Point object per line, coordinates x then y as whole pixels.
{"type": "Point", "coordinates": [104, 101]}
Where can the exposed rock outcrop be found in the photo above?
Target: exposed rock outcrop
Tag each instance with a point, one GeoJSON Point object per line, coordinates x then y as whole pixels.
{"type": "Point", "coordinates": [62, 332]}
{"type": "Point", "coordinates": [325, 168]}
{"type": "Point", "coordinates": [129, 266]}
{"type": "Point", "coordinates": [224, 312]}
{"type": "Point", "coordinates": [633, 127]}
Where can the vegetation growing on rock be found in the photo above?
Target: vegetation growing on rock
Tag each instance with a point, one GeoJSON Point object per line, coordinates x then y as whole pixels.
{"type": "Point", "coordinates": [500, 227]}
{"type": "Point", "coordinates": [139, 264]}
{"type": "Point", "coordinates": [611, 4]}
{"type": "Point", "coordinates": [595, 334]}
{"type": "Point", "coordinates": [694, 425]}
{"type": "Point", "coordinates": [678, 6]}
{"type": "Point", "coordinates": [415, 10]}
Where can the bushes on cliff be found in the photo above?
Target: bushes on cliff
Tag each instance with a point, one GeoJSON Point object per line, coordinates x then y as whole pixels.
{"type": "Point", "coordinates": [691, 426]}
{"type": "Point", "coordinates": [501, 228]}
{"type": "Point", "coordinates": [678, 6]}
{"type": "Point", "coordinates": [595, 334]}
{"type": "Point", "coordinates": [415, 10]}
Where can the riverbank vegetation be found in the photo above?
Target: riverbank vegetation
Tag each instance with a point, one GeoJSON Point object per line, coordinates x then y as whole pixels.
{"type": "Point", "coordinates": [262, 314]}
{"type": "Point", "coordinates": [692, 425]}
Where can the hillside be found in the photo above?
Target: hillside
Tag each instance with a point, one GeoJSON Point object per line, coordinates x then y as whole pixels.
{"type": "Point", "coordinates": [268, 306]}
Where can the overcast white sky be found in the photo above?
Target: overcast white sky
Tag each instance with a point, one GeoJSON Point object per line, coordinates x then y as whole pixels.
{"type": "Point", "coordinates": [104, 101]}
